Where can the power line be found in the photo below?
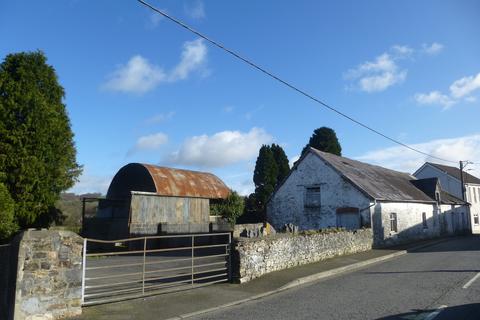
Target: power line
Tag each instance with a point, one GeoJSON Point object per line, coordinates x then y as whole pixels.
{"type": "Point", "coordinates": [284, 82]}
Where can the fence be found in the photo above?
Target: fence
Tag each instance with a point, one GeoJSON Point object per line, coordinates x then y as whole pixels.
{"type": "Point", "coordinates": [129, 268]}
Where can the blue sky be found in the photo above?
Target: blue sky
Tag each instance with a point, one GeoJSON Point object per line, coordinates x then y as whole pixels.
{"type": "Point", "coordinates": [141, 89]}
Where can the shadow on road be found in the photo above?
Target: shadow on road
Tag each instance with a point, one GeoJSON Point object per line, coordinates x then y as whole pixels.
{"type": "Point", "coordinates": [464, 312]}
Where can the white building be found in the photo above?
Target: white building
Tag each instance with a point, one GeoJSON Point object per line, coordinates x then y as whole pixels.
{"type": "Point", "coordinates": [324, 190]}
{"type": "Point", "coordinates": [451, 182]}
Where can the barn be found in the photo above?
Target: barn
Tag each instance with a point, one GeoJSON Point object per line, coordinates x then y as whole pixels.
{"type": "Point", "coordinates": [145, 199]}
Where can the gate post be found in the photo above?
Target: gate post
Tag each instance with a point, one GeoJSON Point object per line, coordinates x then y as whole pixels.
{"type": "Point", "coordinates": [229, 248]}
{"type": "Point", "coordinates": [193, 255]}
{"type": "Point", "coordinates": [84, 261]}
{"type": "Point", "coordinates": [143, 270]}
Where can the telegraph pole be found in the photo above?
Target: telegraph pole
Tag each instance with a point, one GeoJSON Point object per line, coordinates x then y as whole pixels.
{"type": "Point", "coordinates": [461, 179]}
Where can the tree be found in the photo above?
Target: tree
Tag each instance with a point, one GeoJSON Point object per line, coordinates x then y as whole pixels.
{"type": "Point", "coordinates": [230, 208]}
{"type": "Point", "coordinates": [37, 152]}
{"type": "Point", "coordinates": [7, 219]}
{"type": "Point", "coordinates": [264, 176]}
{"type": "Point", "coordinates": [281, 160]}
{"type": "Point", "coordinates": [324, 139]}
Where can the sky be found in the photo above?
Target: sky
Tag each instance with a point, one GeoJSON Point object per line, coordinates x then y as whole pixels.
{"type": "Point", "coordinates": [142, 89]}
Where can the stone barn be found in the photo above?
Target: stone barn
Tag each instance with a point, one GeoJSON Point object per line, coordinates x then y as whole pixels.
{"type": "Point", "coordinates": [324, 190]}
{"type": "Point", "coordinates": [145, 199]}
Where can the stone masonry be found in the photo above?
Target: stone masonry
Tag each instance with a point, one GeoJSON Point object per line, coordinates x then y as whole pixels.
{"type": "Point", "coordinates": [258, 256]}
{"type": "Point", "coordinates": [49, 275]}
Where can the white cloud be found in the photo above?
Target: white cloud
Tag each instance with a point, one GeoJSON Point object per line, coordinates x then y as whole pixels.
{"type": "Point", "coordinates": [195, 10]}
{"type": "Point", "coordinates": [221, 149]}
{"type": "Point", "coordinates": [459, 89]}
{"type": "Point", "coordinates": [149, 142]}
{"type": "Point", "coordinates": [434, 98]}
{"type": "Point", "coordinates": [194, 55]}
{"type": "Point", "coordinates": [140, 76]}
{"type": "Point", "coordinates": [402, 159]}
{"type": "Point", "coordinates": [465, 86]}
{"type": "Point", "coordinates": [159, 118]}
{"type": "Point", "coordinates": [433, 48]}
{"type": "Point", "coordinates": [137, 76]}
{"type": "Point", "coordinates": [386, 70]}
{"type": "Point", "coordinates": [377, 75]}
{"type": "Point", "coordinates": [402, 51]}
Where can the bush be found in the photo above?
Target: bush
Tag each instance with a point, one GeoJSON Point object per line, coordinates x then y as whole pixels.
{"type": "Point", "coordinates": [230, 208]}
{"type": "Point", "coordinates": [8, 225]}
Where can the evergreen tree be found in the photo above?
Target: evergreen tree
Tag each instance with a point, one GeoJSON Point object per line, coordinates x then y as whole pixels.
{"type": "Point", "coordinates": [37, 152]}
{"type": "Point", "coordinates": [324, 139]}
{"type": "Point", "coordinates": [7, 219]}
{"type": "Point", "coordinates": [264, 176]}
{"type": "Point", "coordinates": [282, 162]}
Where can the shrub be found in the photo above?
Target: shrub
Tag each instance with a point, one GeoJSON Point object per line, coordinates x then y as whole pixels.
{"type": "Point", "coordinates": [230, 208]}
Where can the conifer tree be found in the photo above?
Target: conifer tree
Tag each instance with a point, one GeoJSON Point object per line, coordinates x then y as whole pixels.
{"type": "Point", "coordinates": [37, 152]}
{"type": "Point", "coordinates": [324, 139]}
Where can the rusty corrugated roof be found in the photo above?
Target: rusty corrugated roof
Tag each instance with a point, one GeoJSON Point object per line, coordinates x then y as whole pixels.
{"type": "Point", "coordinates": [186, 183]}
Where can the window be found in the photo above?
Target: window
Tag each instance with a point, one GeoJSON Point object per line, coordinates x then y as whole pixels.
{"type": "Point", "coordinates": [475, 219]}
{"type": "Point", "coordinates": [424, 220]}
{"type": "Point", "coordinates": [474, 195]}
{"type": "Point", "coordinates": [312, 197]}
{"type": "Point", "coordinates": [478, 189]}
{"type": "Point", "coordinates": [393, 222]}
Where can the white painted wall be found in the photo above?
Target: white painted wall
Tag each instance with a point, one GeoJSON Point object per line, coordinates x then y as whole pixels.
{"type": "Point", "coordinates": [409, 222]}
{"type": "Point", "coordinates": [287, 204]}
{"type": "Point", "coordinates": [472, 195]}
{"type": "Point", "coordinates": [454, 187]}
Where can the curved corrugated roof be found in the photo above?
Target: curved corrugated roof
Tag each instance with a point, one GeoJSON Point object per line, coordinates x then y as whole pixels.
{"type": "Point", "coordinates": [166, 182]}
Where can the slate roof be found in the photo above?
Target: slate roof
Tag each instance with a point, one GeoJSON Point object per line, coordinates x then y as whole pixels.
{"type": "Point", "coordinates": [455, 172]}
{"type": "Point", "coordinates": [379, 183]}
{"type": "Point", "coordinates": [429, 187]}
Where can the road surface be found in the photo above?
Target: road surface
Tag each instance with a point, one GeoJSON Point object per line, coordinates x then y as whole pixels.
{"type": "Point", "coordinates": [439, 282]}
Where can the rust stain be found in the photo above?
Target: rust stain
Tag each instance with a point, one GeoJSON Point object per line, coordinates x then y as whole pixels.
{"type": "Point", "coordinates": [186, 183]}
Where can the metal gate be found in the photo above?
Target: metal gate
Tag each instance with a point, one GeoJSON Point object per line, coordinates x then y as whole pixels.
{"type": "Point", "coordinates": [129, 268]}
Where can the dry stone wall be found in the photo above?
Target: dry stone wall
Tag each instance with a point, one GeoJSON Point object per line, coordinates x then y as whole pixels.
{"type": "Point", "coordinates": [49, 275]}
{"type": "Point", "coordinates": [258, 256]}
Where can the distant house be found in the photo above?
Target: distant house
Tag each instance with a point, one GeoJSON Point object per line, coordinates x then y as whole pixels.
{"type": "Point", "coordinates": [324, 190]}
{"type": "Point", "coordinates": [451, 182]}
{"type": "Point", "coordinates": [144, 199]}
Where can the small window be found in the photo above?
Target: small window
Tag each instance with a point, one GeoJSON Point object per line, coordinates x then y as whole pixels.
{"type": "Point", "coordinates": [393, 222]}
{"type": "Point", "coordinates": [424, 220]}
{"type": "Point", "coordinates": [475, 219]}
{"type": "Point", "coordinates": [478, 189]}
{"type": "Point", "coordinates": [312, 197]}
{"type": "Point", "coordinates": [437, 197]}
{"type": "Point", "coordinates": [474, 195]}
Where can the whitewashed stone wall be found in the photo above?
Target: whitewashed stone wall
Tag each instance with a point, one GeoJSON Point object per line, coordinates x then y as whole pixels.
{"type": "Point", "coordinates": [409, 222]}
{"type": "Point", "coordinates": [287, 204]}
{"type": "Point", "coordinates": [256, 257]}
{"type": "Point", "coordinates": [454, 219]}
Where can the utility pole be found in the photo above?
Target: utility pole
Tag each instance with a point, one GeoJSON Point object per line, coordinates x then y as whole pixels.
{"type": "Point", "coordinates": [461, 179]}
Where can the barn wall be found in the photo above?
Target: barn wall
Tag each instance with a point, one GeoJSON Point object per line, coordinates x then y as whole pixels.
{"type": "Point", "coordinates": [287, 205]}
{"type": "Point", "coordinates": [151, 214]}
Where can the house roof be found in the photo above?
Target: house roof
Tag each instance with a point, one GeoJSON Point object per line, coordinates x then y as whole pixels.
{"type": "Point", "coordinates": [455, 172]}
{"type": "Point", "coordinates": [379, 183]}
{"type": "Point", "coordinates": [431, 185]}
{"type": "Point", "coordinates": [166, 182]}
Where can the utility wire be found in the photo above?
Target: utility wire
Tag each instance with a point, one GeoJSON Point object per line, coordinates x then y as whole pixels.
{"type": "Point", "coordinates": [284, 82]}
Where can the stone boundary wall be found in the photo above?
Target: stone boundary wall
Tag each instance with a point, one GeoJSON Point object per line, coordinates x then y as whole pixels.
{"type": "Point", "coordinates": [257, 256]}
{"type": "Point", "coordinates": [49, 275]}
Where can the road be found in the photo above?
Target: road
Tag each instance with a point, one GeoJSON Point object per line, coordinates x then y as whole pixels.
{"type": "Point", "coordinates": [439, 282]}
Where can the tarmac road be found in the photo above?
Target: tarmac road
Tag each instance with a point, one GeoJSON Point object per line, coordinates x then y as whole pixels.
{"type": "Point", "coordinates": [439, 282]}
